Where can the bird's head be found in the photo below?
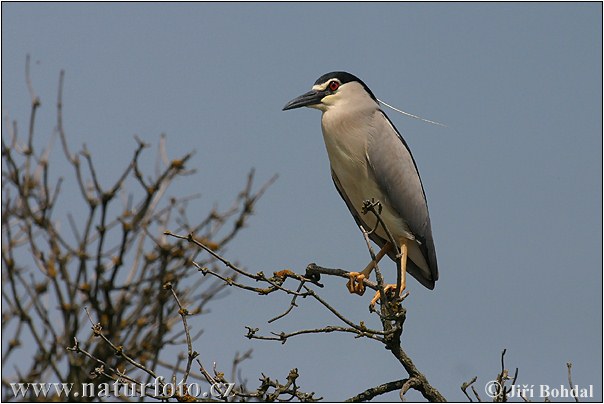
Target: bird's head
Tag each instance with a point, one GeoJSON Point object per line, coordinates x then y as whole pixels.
{"type": "Point", "coordinates": [332, 90]}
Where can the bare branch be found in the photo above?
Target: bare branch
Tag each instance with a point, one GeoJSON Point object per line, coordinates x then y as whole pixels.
{"type": "Point", "coordinates": [465, 386]}
{"type": "Point", "coordinates": [569, 366]}
{"type": "Point", "coordinates": [373, 392]}
{"type": "Point", "coordinates": [184, 313]}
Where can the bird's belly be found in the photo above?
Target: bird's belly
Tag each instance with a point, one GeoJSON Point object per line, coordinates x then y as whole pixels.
{"type": "Point", "coordinates": [359, 185]}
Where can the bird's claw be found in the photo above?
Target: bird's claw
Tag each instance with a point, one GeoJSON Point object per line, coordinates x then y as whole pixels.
{"type": "Point", "coordinates": [355, 283]}
{"type": "Point", "coordinates": [388, 289]}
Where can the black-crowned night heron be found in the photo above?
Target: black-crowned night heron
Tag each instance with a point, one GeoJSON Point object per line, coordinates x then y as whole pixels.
{"type": "Point", "coordinates": [370, 160]}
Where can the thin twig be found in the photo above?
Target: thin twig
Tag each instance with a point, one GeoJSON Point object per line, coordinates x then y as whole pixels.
{"type": "Point", "coordinates": [465, 386]}
{"type": "Point", "coordinates": [569, 365]}
{"type": "Point", "coordinates": [282, 337]}
{"type": "Point", "coordinates": [183, 314]}
{"type": "Point", "coordinates": [292, 304]}
{"type": "Point", "coordinates": [119, 350]}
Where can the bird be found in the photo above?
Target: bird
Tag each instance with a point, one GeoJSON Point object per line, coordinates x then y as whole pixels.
{"type": "Point", "coordinates": [371, 161]}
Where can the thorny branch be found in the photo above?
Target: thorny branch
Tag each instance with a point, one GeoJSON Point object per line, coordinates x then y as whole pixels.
{"type": "Point", "coordinates": [271, 390]}
{"type": "Point", "coordinates": [373, 392]}
{"type": "Point", "coordinates": [499, 391]}
{"type": "Point", "coordinates": [108, 264]}
{"type": "Point", "coordinates": [391, 313]}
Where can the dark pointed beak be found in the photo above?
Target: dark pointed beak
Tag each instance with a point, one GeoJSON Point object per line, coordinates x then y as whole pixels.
{"type": "Point", "coordinates": [310, 98]}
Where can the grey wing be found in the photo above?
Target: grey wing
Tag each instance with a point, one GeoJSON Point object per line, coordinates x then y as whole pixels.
{"type": "Point", "coordinates": [398, 177]}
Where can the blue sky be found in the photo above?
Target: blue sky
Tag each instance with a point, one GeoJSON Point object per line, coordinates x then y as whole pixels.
{"type": "Point", "coordinates": [514, 181]}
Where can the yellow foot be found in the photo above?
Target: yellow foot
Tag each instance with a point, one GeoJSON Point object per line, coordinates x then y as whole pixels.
{"type": "Point", "coordinates": [355, 284]}
{"type": "Point", "coordinates": [390, 288]}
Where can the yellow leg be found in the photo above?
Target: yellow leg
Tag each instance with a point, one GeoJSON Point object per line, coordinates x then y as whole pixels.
{"type": "Point", "coordinates": [355, 284]}
{"type": "Point", "coordinates": [401, 282]}
{"type": "Point", "coordinates": [403, 269]}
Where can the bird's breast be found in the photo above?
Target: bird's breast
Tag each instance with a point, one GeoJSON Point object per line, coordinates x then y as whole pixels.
{"type": "Point", "coordinates": [346, 144]}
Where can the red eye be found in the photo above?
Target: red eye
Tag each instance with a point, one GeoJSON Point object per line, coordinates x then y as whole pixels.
{"type": "Point", "coordinates": [333, 86]}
